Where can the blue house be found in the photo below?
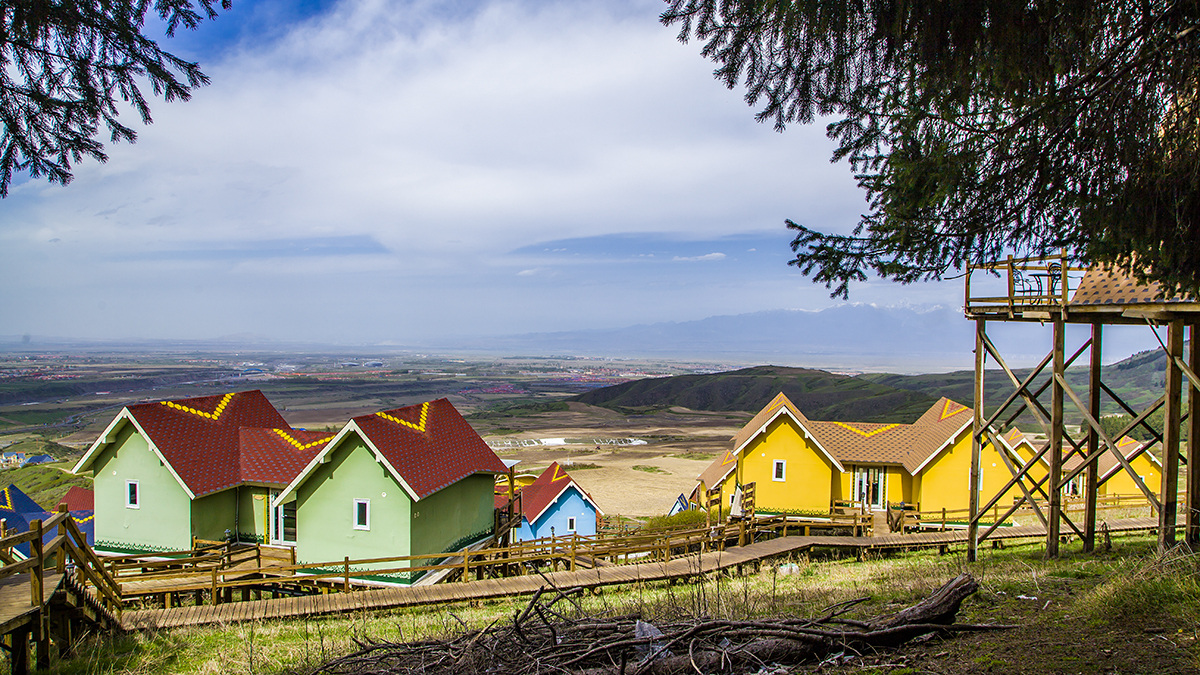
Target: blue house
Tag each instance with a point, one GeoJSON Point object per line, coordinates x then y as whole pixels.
{"type": "Point", "coordinates": [37, 459]}
{"type": "Point", "coordinates": [17, 510]}
{"type": "Point", "coordinates": [554, 504]}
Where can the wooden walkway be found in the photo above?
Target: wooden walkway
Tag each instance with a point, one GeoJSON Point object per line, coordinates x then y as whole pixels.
{"type": "Point", "coordinates": [687, 566]}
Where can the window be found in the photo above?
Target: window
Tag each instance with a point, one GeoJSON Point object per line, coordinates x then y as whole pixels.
{"type": "Point", "coordinates": [132, 498]}
{"type": "Point", "coordinates": [571, 524]}
{"type": "Point", "coordinates": [362, 514]}
{"type": "Point", "coordinates": [780, 473]}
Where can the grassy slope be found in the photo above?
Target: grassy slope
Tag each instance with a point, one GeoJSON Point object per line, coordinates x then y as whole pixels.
{"type": "Point", "coordinates": [821, 395]}
{"type": "Point", "coordinates": [1124, 611]}
{"type": "Point", "coordinates": [45, 484]}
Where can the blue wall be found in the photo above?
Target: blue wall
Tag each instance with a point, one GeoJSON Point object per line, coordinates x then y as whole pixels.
{"type": "Point", "coordinates": [570, 503]}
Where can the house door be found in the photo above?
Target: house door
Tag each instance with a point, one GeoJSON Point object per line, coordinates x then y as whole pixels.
{"type": "Point", "coordinates": [870, 486]}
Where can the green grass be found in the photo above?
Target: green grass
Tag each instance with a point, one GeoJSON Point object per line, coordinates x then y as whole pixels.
{"type": "Point", "coordinates": [650, 469]}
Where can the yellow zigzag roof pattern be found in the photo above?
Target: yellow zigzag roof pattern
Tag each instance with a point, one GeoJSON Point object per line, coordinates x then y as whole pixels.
{"type": "Point", "coordinates": [7, 505]}
{"type": "Point", "coordinates": [866, 434]}
{"type": "Point", "coordinates": [420, 426]}
{"type": "Point", "coordinates": [949, 410]}
{"type": "Point", "coordinates": [214, 415]}
{"type": "Point", "coordinates": [559, 474]}
{"type": "Point", "coordinates": [298, 445]}
{"type": "Point", "coordinates": [83, 520]}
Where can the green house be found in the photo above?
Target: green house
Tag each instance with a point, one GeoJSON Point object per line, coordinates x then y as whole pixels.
{"type": "Point", "coordinates": [401, 482]}
{"type": "Point", "coordinates": [171, 472]}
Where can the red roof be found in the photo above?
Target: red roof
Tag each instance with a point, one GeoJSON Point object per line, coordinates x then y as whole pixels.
{"type": "Point", "coordinates": [430, 445]}
{"type": "Point", "coordinates": [276, 456]}
{"type": "Point", "coordinates": [79, 499]}
{"type": "Point", "coordinates": [201, 438]}
{"type": "Point", "coordinates": [541, 493]}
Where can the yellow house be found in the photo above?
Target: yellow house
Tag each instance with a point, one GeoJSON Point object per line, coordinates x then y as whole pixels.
{"type": "Point", "coordinates": [803, 466]}
{"type": "Point", "coordinates": [1114, 480]}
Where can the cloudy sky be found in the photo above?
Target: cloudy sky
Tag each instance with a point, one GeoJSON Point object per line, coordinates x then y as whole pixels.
{"type": "Point", "coordinates": [374, 170]}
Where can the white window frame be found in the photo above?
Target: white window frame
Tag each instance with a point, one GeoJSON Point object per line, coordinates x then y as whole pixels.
{"type": "Point", "coordinates": [277, 521]}
{"type": "Point", "coordinates": [571, 523]}
{"type": "Point", "coordinates": [137, 494]}
{"type": "Point", "coordinates": [354, 514]}
{"type": "Point", "coordinates": [776, 473]}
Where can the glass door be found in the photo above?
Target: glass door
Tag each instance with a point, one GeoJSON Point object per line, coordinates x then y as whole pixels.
{"type": "Point", "coordinates": [870, 486]}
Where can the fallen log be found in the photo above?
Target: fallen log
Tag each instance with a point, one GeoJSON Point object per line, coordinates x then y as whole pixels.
{"type": "Point", "coordinates": [538, 640]}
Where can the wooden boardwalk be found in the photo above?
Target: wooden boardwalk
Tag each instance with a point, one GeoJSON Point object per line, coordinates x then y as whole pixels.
{"type": "Point", "coordinates": [683, 567]}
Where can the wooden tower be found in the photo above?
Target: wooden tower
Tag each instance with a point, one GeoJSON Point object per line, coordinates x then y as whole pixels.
{"type": "Point", "coordinates": [1048, 291]}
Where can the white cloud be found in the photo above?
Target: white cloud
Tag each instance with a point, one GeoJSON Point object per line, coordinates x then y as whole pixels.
{"type": "Point", "coordinates": [422, 146]}
{"type": "Point", "coordinates": [698, 258]}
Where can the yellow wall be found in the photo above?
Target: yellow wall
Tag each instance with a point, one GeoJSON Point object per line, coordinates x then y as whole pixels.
{"type": "Point", "coordinates": [808, 481]}
{"type": "Point", "coordinates": [944, 481]}
{"type": "Point", "coordinates": [1121, 484]}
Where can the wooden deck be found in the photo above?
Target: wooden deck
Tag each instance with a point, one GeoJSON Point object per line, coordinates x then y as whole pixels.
{"type": "Point", "coordinates": [683, 567]}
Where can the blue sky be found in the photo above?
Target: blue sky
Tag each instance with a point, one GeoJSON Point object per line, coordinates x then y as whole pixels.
{"type": "Point", "coordinates": [400, 172]}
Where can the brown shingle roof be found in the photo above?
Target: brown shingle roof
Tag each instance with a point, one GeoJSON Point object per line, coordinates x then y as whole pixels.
{"type": "Point", "coordinates": [1107, 286]}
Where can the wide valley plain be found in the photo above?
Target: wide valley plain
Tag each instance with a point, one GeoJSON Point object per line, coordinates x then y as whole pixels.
{"type": "Point", "coordinates": [633, 462]}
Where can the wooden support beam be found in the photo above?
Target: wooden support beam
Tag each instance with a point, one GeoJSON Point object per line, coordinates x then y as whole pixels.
{"type": "Point", "coordinates": [1191, 531]}
{"type": "Point", "coordinates": [1056, 439]}
{"type": "Point", "coordinates": [976, 441]}
{"type": "Point", "coordinates": [1091, 487]}
{"type": "Point", "coordinates": [1170, 446]}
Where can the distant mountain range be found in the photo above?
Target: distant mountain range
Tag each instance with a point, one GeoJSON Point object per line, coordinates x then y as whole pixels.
{"type": "Point", "coordinates": [846, 338]}
{"type": "Point", "coordinates": [851, 336]}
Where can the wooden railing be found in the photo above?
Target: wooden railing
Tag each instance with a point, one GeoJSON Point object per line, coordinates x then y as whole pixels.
{"type": "Point", "coordinates": [946, 519]}
{"type": "Point", "coordinates": [567, 553]}
{"type": "Point", "coordinates": [68, 544]}
{"type": "Point", "coordinates": [1032, 283]}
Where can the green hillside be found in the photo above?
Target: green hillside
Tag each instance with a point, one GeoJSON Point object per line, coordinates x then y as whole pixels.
{"type": "Point", "coordinates": [867, 398]}
{"type": "Point", "coordinates": [820, 395]}
{"type": "Point", "coordinates": [1138, 380]}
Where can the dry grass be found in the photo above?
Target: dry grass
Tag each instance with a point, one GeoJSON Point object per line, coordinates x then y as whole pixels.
{"type": "Point", "coordinates": [1107, 587]}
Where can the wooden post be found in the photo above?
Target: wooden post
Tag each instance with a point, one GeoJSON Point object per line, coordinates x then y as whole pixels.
{"type": "Point", "coordinates": [20, 650]}
{"type": "Point", "coordinates": [346, 574]}
{"type": "Point", "coordinates": [574, 543]}
{"type": "Point", "coordinates": [466, 573]}
{"type": "Point", "coordinates": [1091, 487]}
{"type": "Point", "coordinates": [976, 443]}
{"type": "Point", "coordinates": [36, 580]}
{"type": "Point", "coordinates": [1056, 440]}
{"type": "Point", "coordinates": [944, 523]}
{"type": "Point", "coordinates": [1191, 532]}
{"type": "Point", "coordinates": [1170, 447]}
{"type": "Point", "coordinates": [741, 533]}
{"type": "Point", "coordinates": [216, 594]}
{"type": "Point", "coordinates": [60, 557]}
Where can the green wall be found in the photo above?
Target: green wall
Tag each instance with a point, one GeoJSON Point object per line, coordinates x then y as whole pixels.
{"type": "Point", "coordinates": [325, 508]}
{"type": "Point", "coordinates": [454, 516]}
{"type": "Point", "coordinates": [214, 515]}
{"type": "Point", "coordinates": [253, 521]}
{"type": "Point", "coordinates": [163, 523]}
